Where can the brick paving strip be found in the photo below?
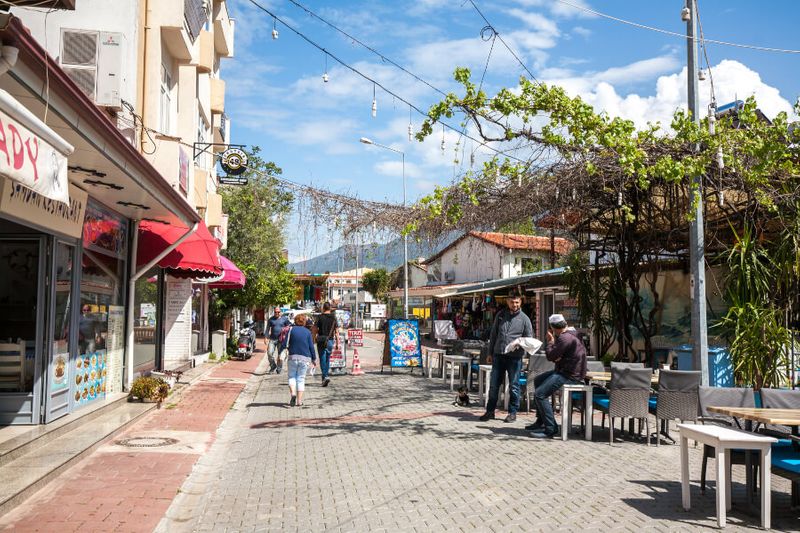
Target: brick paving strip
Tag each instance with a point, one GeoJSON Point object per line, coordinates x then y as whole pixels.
{"type": "Point", "coordinates": [124, 489]}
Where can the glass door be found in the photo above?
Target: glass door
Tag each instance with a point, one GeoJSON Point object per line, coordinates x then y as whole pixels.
{"type": "Point", "coordinates": [61, 367]}
{"type": "Point", "coordinates": [22, 284]}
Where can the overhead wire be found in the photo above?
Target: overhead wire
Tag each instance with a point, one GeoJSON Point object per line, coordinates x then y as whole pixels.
{"type": "Point", "coordinates": [674, 33]}
{"type": "Point", "coordinates": [705, 50]}
{"type": "Point", "coordinates": [372, 80]}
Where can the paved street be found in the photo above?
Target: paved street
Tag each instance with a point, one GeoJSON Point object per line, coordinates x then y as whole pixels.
{"type": "Point", "coordinates": [388, 452]}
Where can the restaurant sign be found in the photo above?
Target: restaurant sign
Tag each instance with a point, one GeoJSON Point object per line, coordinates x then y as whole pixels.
{"type": "Point", "coordinates": [404, 343]}
{"type": "Point", "coordinates": [31, 153]}
{"type": "Point", "coordinates": [30, 206]}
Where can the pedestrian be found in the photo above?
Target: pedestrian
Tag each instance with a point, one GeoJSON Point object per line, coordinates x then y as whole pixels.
{"type": "Point", "coordinates": [326, 330]}
{"type": "Point", "coordinates": [567, 351]}
{"type": "Point", "coordinates": [301, 355]}
{"type": "Point", "coordinates": [509, 324]}
{"type": "Point", "coordinates": [275, 324]}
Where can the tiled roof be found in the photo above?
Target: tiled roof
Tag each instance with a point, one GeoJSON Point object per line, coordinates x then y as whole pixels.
{"type": "Point", "coordinates": [515, 241]}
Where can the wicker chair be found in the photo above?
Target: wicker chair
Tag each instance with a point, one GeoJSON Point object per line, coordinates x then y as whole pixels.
{"type": "Point", "coordinates": [677, 398]}
{"type": "Point", "coordinates": [723, 397]}
{"type": "Point", "coordinates": [784, 454]}
{"type": "Point", "coordinates": [628, 395]}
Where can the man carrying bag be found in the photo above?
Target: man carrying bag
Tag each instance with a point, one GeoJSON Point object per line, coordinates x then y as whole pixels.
{"type": "Point", "coordinates": [327, 329]}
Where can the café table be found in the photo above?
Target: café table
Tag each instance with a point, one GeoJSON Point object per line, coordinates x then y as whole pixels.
{"type": "Point", "coordinates": [777, 417]}
{"type": "Point", "coordinates": [484, 372]}
{"type": "Point", "coordinates": [606, 377]}
{"type": "Point", "coordinates": [430, 353]}
{"type": "Point", "coordinates": [454, 360]}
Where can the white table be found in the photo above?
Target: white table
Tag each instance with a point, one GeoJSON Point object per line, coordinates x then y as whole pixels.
{"type": "Point", "coordinates": [429, 354]}
{"type": "Point", "coordinates": [454, 360]}
{"type": "Point", "coordinates": [566, 408]}
{"type": "Point", "coordinates": [724, 440]}
{"type": "Point", "coordinates": [484, 375]}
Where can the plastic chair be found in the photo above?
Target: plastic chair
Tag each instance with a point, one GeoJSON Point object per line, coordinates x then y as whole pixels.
{"type": "Point", "coordinates": [677, 398]}
{"type": "Point", "coordinates": [628, 395]}
{"type": "Point", "coordinates": [722, 397]}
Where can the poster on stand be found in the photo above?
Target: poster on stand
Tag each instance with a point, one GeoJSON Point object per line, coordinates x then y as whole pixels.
{"type": "Point", "coordinates": [404, 343]}
{"type": "Point", "coordinates": [338, 361]}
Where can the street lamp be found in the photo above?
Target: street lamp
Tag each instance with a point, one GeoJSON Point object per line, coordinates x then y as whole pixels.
{"type": "Point", "coordinates": [364, 140]}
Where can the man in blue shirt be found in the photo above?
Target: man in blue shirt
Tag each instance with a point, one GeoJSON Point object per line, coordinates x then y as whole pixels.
{"type": "Point", "coordinates": [273, 330]}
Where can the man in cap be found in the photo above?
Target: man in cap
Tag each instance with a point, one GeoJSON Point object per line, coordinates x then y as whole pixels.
{"type": "Point", "coordinates": [567, 351]}
{"type": "Point", "coordinates": [509, 325]}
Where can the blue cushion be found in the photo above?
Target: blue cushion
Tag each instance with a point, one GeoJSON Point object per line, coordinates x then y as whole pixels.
{"type": "Point", "coordinates": [523, 380]}
{"type": "Point", "coordinates": [577, 396]}
{"type": "Point", "coordinates": [652, 402]}
{"type": "Point", "coordinates": [785, 458]}
{"type": "Point", "coordinates": [601, 401]}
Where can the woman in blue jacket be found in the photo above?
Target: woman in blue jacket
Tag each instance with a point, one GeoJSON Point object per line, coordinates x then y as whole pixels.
{"type": "Point", "coordinates": [302, 354]}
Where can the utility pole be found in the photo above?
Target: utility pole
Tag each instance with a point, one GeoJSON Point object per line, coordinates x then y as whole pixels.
{"type": "Point", "coordinates": [696, 236]}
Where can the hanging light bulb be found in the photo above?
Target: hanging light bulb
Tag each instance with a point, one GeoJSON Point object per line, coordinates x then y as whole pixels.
{"type": "Point", "coordinates": [519, 180]}
{"type": "Point", "coordinates": [497, 173]}
{"type": "Point", "coordinates": [720, 158]}
{"type": "Point", "coordinates": [686, 15]}
{"type": "Point", "coordinates": [721, 198]}
{"type": "Point", "coordinates": [410, 132]}
{"type": "Point", "coordinates": [472, 159]}
{"type": "Point", "coordinates": [619, 199]}
{"type": "Point", "coordinates": [325, 76]}
{"type": "Point", "coordinates": [557, 193]}
{"type": "Point", "coordinates": [701, 75]}
{"type": "Point", "coordinates": [712, 119]}
{"type": "Point", "coordinates": [574, 193]}
{"type": "Point", "coordinates": [274, 29]}
{"type": "Point", "coordinates": [374, 103]}
{"type": "Point", "coordinates": [443, 145]}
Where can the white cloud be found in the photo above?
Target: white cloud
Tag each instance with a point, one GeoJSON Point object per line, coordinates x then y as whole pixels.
{"type": "Point", "coordinates": [395, 169]}
{"type": "Point", "coordinates": [583, 32]}
{"type": "Point", "coordinates": [559, 8]}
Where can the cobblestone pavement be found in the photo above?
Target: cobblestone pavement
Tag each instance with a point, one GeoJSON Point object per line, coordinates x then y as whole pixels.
{"type": "Point", "coordinates": [123, 489]}
{"type": "Point", "coordinates": [389, 452]}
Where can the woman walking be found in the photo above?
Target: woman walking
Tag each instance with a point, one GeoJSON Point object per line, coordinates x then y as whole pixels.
{"type": "Point", "coordinates": [301, 356]}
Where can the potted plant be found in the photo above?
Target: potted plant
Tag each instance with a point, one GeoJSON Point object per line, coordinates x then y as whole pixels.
{"type": "Point", "coordinates": [148, 389]}
{"type": "Point", "coordinates": [171, 377]}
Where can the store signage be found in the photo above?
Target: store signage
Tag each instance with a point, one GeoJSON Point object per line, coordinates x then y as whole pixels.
{"type": "Point", "coordinates": [232, 180]}
{"type": "Point", "coordinates": [356, 337]}
{"type": "Point", "coordinates": [30, 206]}
{"type": "Point", "coordinates": [31, 153]}
{"type": "Point", "coordinates": [337, 358]}
{"type": "Point", "coordinates": [183, 169]}
{"type": "Point", "coordinates": [234, 161]}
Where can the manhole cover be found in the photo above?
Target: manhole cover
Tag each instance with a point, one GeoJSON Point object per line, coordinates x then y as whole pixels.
{"type": "Point", "coordinates": [146, 442]}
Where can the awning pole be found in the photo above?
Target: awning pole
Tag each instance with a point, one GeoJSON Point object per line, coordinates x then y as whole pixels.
{"type": "Point", "coordinates": [132, 290]}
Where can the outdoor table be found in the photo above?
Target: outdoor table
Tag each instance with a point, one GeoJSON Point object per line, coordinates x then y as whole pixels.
{"type": "Point", "coordinates": [566, 408]}
{"type": "Point", "coordinates": [484, 372]}
{"type": "Point", "coordinates": [473, 354]}
{"type": "Point", "coordinates": [724, 440]}
{"type": "Point", "coordinates": [454, 360]}
{"type": "Point", "coordinates": [777, 417]}
{"type": "Point", "coordinates": [434, 352]}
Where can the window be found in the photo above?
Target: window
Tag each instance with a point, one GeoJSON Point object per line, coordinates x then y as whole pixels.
{"type": "Point", "coordinates": [165, 104]}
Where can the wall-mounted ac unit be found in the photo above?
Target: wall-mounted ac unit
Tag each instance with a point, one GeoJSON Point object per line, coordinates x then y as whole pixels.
{"type": "Point", "coordinates": [93, 60]}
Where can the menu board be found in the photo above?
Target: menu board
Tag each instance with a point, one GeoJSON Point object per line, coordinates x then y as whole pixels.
{"type": "Point", "coordinates": [404, 343]}
{"type": "Point", "coordinates": [90, 377]}
{"type": "Point", "coordinates": [178, 322]}
{"type": "Point", "coordinates": [115, 344]}
{"type": "Point", "coordinates": [337, 359]}
{"type": "Point", "coordinates": [356, 337]}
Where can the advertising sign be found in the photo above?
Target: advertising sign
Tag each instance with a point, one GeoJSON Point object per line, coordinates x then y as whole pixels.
{"type": "Point", "coordinates": [26, 204]}
{"type": "Point", "coordinates": [377, 310]}
{"type": "Point", "coordinates": [404, 343]}
{"type": "Point", "coordinates": [233, 180]}
{"type": "Point", "coordinates": [356, 337]}
{"type": "Point", "coordinates": [90, 376]}
{"type": "Point", "coordinates": [337, 359]}
{"type": "Point", "coordinates": [234, 161]}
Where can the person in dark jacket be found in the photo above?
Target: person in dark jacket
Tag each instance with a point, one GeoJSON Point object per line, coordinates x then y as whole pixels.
{"type": "Point", "coordinates": [302, 354]}
{"type": "Point", "coordinates": [275, 324]}
{"type": "Point", "coordinates": [567, 351]}
{"type": "Point", "coordinates": [509, 325]}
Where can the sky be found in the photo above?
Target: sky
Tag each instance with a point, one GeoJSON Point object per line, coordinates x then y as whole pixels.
{"type": "Point", "coordinates": [276, 97]}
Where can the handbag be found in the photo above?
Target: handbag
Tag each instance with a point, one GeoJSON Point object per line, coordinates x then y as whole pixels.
{"type": "Point", "coordinates": [284, 354]}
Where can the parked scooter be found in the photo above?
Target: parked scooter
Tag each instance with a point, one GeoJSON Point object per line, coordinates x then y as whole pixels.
{"type": "Point", "coordinates": [247, 341]}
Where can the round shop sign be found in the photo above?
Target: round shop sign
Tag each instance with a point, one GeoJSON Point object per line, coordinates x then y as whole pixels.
{"type": "Point", "coordinates": [234, 161]}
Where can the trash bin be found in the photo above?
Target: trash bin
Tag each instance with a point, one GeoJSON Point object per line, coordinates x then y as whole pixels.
{"type": "Point", "coordinates": [720, 366]}
{"type": "Point", "coordinates": [219, 342]}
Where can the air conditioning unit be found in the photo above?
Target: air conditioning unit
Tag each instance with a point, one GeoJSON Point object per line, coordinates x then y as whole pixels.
{"type": "Point", "coordinates": [450, 275]}
{"type": "Point", "coordinates": [93, 60]}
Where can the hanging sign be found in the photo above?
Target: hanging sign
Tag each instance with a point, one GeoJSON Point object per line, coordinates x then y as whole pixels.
{"type": "Point", "coordinates": [31, 153]}
{"type": "Point", "coordinates": [234, 161]}
{"type": "Point", "coordinates": [232, 180]}
{"type": "Point", "coordinates": [30, 206]}
{"type": "Point", "coordinates": [404, 343]}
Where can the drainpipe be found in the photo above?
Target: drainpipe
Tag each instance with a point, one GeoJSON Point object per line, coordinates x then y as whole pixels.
{"type": "Point", "coordinates": [132, 291]}
{"type": "Point", "coordinates": [8, 58]}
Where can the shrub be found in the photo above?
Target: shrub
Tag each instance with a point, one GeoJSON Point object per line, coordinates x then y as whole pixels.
{"type": "Point", "coordinates": [149, 388]}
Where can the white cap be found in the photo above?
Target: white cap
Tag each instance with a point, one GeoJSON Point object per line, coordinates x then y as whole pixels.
{"type": "Point", "coordinates": [557, 319]}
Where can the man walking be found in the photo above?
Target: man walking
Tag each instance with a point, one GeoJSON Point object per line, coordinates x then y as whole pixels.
{"type": "Point", "coordinates": [327, 329]}
{"type": "Point", "coordinates": [273, 330]}
{"type": "Point", "coordinates": [509, 325]}
{"type": "Point", "coordinates": [567, 351]}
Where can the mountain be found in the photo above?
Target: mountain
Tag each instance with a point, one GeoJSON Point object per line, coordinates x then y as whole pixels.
{"type": "Point", "coordinates": [388, 255]}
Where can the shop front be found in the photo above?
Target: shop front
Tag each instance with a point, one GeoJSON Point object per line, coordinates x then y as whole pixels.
{"type": "Point", "coordinates": [71, 194]}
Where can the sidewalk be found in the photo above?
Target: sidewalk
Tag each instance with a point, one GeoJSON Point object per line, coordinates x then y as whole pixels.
{"type": "Point", "coordinates": [129, 488]}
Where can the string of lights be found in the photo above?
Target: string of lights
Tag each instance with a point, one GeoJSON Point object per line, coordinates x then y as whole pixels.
{"type": "Point", "coordinates": [676, 34]}
{"type": "Point", "coordinates": [368, 78]}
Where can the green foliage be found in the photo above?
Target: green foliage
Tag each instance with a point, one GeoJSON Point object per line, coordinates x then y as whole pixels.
{"type": "Point", "coordinates": [376, 282]}
{"type": "Point", "coordinates": [149, 388]}
{"type": "Point", "coordinates": [256, 238]}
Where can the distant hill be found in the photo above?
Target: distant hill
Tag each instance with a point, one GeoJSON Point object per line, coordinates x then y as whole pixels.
{"type": "Point", "coordinates": [388, 256]}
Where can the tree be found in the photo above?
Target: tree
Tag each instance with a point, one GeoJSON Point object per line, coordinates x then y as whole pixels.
{"type": "Point", "coordinates": [376, 282]}
{"type": "Point", "coordinates": [256, 212]}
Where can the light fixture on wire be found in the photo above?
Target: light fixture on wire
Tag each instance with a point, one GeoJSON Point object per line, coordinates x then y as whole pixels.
{"type": "Point", "coordinates": [410, 126]}
{"type": "Point", "coordinates": [701, 75]}
{"type": "Point", "coordinates": [374, 102]}
{"type": "Point", "coordinates": [686, 15]}
{"type": "Point", "coordinates": [712, 118]}
{"type": "Point", "coordinates": [325, 77]}
{"type": "Point", "coordinates": [443, 145]}
{"type": "Point", "coordinates": [274, 29]}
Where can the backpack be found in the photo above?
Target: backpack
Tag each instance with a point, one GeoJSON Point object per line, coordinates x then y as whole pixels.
{"type": "Point", "coordinates": [283, 334]}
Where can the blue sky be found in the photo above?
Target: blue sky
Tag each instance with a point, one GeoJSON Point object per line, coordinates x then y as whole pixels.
{"type": "Point", "coordinates": [277, 100]}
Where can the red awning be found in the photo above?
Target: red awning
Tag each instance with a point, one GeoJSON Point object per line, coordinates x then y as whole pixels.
{"type": "Point", "coordinates": [196, 257]}
{"type": "Point", "coordinates": [232, 277]}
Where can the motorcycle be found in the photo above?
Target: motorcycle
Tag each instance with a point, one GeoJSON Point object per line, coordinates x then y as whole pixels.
{"type": "Point", "coordinates": [247, 341]}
